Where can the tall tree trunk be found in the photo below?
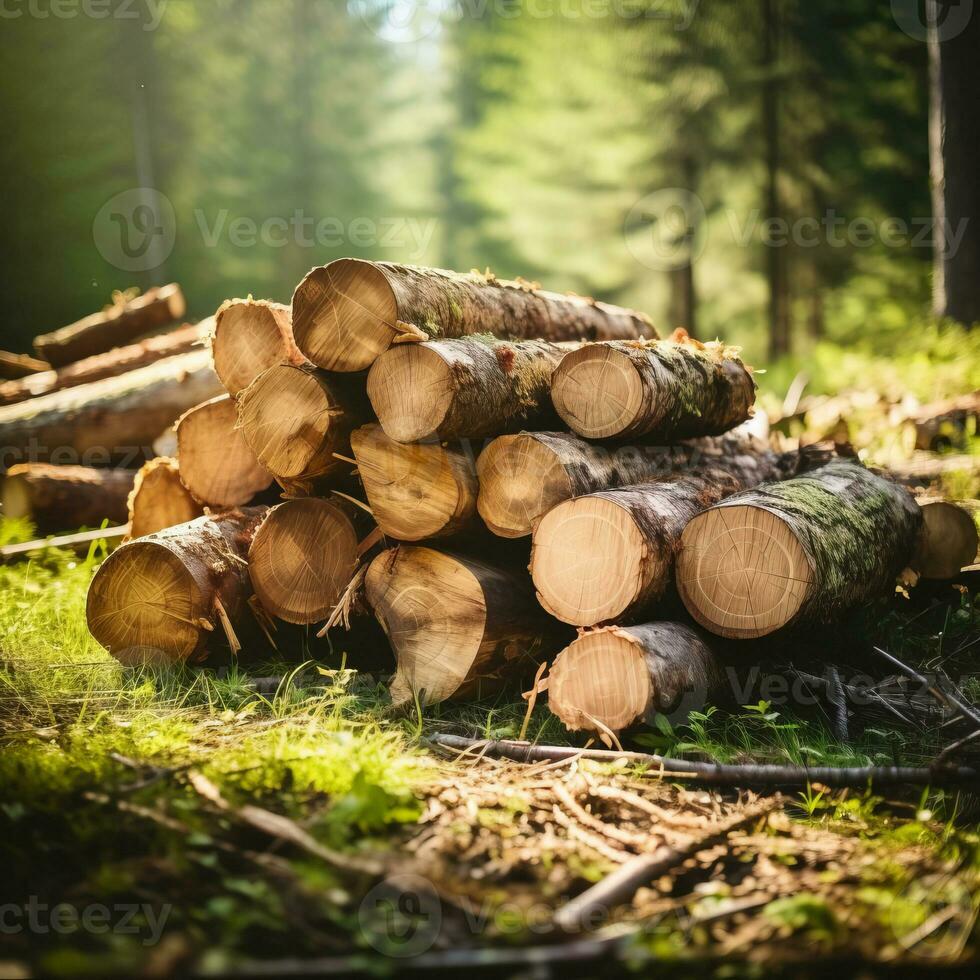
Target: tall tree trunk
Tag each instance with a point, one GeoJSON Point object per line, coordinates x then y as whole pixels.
{"type": "Point", "coordinates": [683, 298]}
{"type": "Point", "coordinates": [954, 149]}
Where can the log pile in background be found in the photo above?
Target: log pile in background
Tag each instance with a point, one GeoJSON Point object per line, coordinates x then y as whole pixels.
{"type": "Point", "coordinates": [394, 375]}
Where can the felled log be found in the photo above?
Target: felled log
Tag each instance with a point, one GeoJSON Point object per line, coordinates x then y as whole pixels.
{"type": "Point", "coordinates": [251, 336]}
{"type": "Point", "coordinates": [216, 464]}
{"type": "Point", "coordinates": [159, 500]}
{"type": "Point", "coordinates": [663, 390]}
{"type": "Point", "coordinates": [346, 314]}
{"type": "Point", "coordinates": [114, 420]}
{"type": "Point", "coordinates": [119, 324]}
{"type": "Point", "coordinates": [107, 365]}
{"type": "Point", "coordinates": [612, 678]}
{"type": "Point", "coordinates": [63, 498]}
{"type": "Point", "coordinates": [296, 418]}
{"type": "Point", "coordinates": [417, 490]}
{"type": "Point", "coordinates": [609, 556]}
{"type": "Point", "coordinates": [464, 389]}
{"type": "Point", "coordinates": [163, 597]}
{"type": "Point", "coordinates": [799, 552]}
{"type": "Point", "coordinates": [14, 366]}
{"type": "Point", "coordinates": [946, 422]}
{"type": "Point", "coordinates": [524, 476]}
{"type": "Point", "coordinates": [948, 542]}
{"type": "Point", "coordinates": [303, 556]}
{"type": "Point", "coordinates": [459, 627]}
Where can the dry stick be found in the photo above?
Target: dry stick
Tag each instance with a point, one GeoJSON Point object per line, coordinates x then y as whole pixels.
{"type": "Point", "coordinates": [216, 464]}
{"type": "Point", "coordinates": [159, 499]}
{"type": "Point", "coordinates": [79, 540]}
{"type": "Point", "coordinates": [717, 774]}
{"type": "Point", "coordinates": [622, 884]}
{"type": "Point", "coordinates": [415, 491]}
{"type": "Point", "coordinates": [458, 626]}
{"type": "Point", "coordinates": [116, 418]}
{"type": "Point", "coordinates": [524, 476]}
{"type": "Point", "coordinates": [62, 498]}
{"type": "Point", "coordinates": [157, 598]}
{"type": "Point", "coordinates": [114, 326]}
{"type": "Point", "coordinates": [464, 389]}
{"type": "Point", "coordinates": [658, 389]}
{"type": "Point", "coordinates": [803, 551]}
{"type": "Point", "coordinates": [251, 336]}
{"type": "Point", "coordinates": [109, 364]}
{"type": "Point", "coordinates": [14, 367]}
{"type": "Point", "coordinates": [348, 313]}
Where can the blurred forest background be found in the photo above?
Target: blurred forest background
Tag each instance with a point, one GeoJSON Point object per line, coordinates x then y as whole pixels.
{"type": "Point", "coordinates": [630, 149]}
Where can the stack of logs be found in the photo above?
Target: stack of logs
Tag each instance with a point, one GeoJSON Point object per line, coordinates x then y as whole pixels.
{"type": "Point", "coordinates": [486, 467]}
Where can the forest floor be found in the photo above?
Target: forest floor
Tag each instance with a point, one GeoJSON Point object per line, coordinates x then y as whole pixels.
{"type": "Point", "coordinates": [277, 819]}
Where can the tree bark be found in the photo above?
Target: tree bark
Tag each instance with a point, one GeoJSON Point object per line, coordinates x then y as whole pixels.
{"type": "Point", "coordinates": [609, 556]}
{"type": "Point", "coordinates": [251, 336]}
{"type": "Point", "coordinates": [216, 464]}
{"type": "Point", "coordinates": [304, 555]}
{"type": "Point", "coordinates": [15, 366]}
{"type": "Point", "coordinates": [416, 491]}
{"type": "Point", "coordinates": [114, 420]}
{"type": "Point", "coordinates": [662, 390]}
{"type": "Point", "coordinates": [464, 389]}
{"type": "Point", "coordinates": [346, 314]}
{"type": "Point", "coordinates": [954, 141]}
{"type": "Point", "coordinates": [296, 418]}
{"type": "Point", "coordinates": [64, 498]}
{"type": "Point", "coordinates": [119, 324]}
{"type": "Point", "coordinates": [167, 597]}
{"type": "Point", "coordinates": [615, 677]}
{"type": "Point", "coordinates": [459, 627]}
{"type": "Point", "coordinates": [799, 552]}
{"type": "Point", "coordinates": [524, 476]}
{"type": "Point", "coordinates": [107, 365]}
{"type": "Point", "coordinates": [159, 500]}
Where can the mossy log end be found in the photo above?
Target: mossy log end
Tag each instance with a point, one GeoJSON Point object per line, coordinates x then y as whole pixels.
{"type": "Point", "coordinates": [303, 555]}
{"type": "Point", "coordinates": [216, 464]}
{"type": "Point", "coordinates": [159, 500]}
{"type": "Point", "coordinates": [65, 498]}
{"type": "Point", "coordinates": [295, 418]}
{"type": "Point", "coordinates": [415, 491]}
{"type": "Point", "coordinates": [119, 324]}
{"type": "Point", "coordinates": [346, 314]}
{"type": "Point", "coordinates": [459, 627]}
{"type": "Point", "coordinates": [618, 676]}
{"type": "Point", "coordinates": [464, 389]}
{"type": "Point", "coordinates": [163, 597]}
{"type": "Point", "coordinates": [251, 336]}
{"type": "Point", "coordinates": [662, 390]}
{"type": "Point", "coordinates": [609, 555]}
{"type": "Point", "coordinates": [524, 476]}
{"type": "Point", "coordinates": [803, 551]}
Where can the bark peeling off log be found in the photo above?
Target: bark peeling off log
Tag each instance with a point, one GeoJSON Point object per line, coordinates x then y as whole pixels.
{"type": "Point", "coordinates": [159, 500]}
{"type": "Point", "coordinates": [464, 389]}
{"type": "Point", "coordinates": [346, 314]}
{"type": "Point", "coordinates": [160, 598]}
{"type": "Point", "coordinates": [801, 551]}
{"type": "Point", "coordinates": [619, 676]}
{"type": "Point", "coordinates": [661, 389]}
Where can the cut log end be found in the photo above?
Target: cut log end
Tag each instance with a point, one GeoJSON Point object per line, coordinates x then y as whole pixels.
{"type": "Point", "coordinates": [948, 542]}
{"type": "Point", "coordinates": [159, 500]}
{"type": "Point", "coordinates": [600, 681]}
{"type": "Point", "coordinates": [411, 391]}
{"type": "Point", "coordinates": [216, 464]}
{"type": "Point", "coordinates": [250, 336]}
{"type": "Point", "coordinates": [742, 572]}
{"type": "Point", "coordinates": [587, 560]}
{"type": "Point", "coordinates": [597, 391]}
{"type": "Point", "coordinates": [520, 480]}
{"type": "Point", "coordinates": [301, 559]}
{"type": "Point", "coordinates": [344, 315]}
{"type": "Point", "coordinates": [144, 605]}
